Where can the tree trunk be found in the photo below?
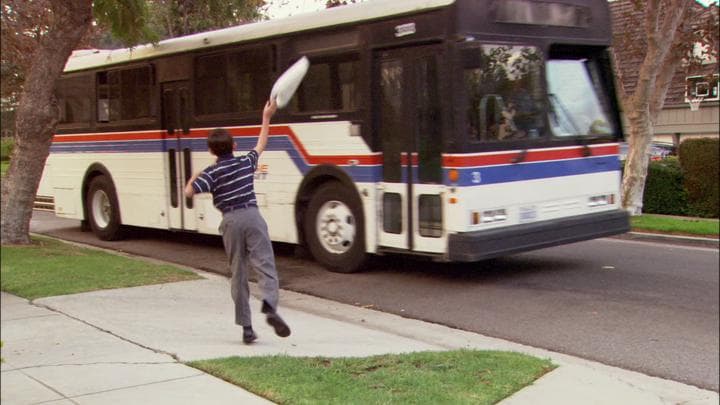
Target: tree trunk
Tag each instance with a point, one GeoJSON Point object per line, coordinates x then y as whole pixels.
{"type": "Point", "coordinates": [640, 135]}
{"type": "Point", "coordinates": [636, 165]}
{"type": "Point", "coordinates": [37, 116]}
{"type": "Point", "coordinates": [648, 98]}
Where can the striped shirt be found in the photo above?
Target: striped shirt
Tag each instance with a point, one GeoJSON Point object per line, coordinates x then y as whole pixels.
{"type": "Point", "coordinates": [230, 180]}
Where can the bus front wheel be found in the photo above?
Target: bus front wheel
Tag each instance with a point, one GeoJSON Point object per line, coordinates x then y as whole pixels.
{"type": "Point", "coordinates": [335, 229]}
{"type": "Point", "coordinates": [103, 209]}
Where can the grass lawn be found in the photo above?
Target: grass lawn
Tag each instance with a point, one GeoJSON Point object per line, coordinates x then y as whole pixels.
{"type": "Point", "coordinates": [453, 377]}
{"type": "Point", "coordinates": [4, 167]}
{"type": "Point", "coordinates": [675, 225]}
{"type": "Point", "coordinates": [49, 267]}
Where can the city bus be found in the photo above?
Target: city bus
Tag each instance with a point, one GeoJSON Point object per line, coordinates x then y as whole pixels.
{"type": "Point", "coordinates": [458, 130]}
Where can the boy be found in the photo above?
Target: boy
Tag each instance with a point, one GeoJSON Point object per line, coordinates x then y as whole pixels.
{"type": "Point", "coordinates": [244, 231]}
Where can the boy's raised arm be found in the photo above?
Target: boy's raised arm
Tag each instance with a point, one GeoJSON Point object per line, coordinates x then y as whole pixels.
{"type": "Point", "coordinates": [268, 111]}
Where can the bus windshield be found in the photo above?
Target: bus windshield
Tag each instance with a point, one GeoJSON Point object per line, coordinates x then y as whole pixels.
{"type": "Point", "coordinates": [504, 96]}
{"type": "Point", "coordinates": [578, 98]}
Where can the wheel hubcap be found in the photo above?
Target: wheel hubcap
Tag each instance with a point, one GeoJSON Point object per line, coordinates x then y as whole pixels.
{"type": "Point", "coordinates": [101, 209]}
{"type": "Point", "coordinates": [335, 226]}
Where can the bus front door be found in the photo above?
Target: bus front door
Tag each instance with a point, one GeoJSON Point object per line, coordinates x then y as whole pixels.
{"type": "Point", "coordinates": [408, 113]}
{"type": "Point", "coordinates": [178, 149]}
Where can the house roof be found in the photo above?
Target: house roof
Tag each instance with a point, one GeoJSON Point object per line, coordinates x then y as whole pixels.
{"type": "Point", "coordinates": [629, 48]}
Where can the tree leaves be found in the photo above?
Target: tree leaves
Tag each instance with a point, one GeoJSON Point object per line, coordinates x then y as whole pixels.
{"type": "Point", "coordinates": [126, 19]}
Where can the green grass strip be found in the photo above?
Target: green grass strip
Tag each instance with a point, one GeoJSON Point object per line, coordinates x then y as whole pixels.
{"type": "Point", "coordinates": [4, 166]}
{"type": "Point", "coordinates": [49, 267]}
{"type": "Point", "coordinates": [452, 377]}
{"type": "Point", "coordinates": [675, 225]}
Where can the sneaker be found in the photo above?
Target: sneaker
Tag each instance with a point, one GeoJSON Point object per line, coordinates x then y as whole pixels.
{"type": "Point", "coordinates": [281, 328]}
{"type": "Point", "coordinates": [274, 320]}
{"type": "Point", "coordinates": [249, 335]}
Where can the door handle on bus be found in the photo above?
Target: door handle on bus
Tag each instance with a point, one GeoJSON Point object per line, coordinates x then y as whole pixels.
{"type": "Point", "coordinates": [172, 165]}
{"type": "Point", "coordinates": [187, 169]}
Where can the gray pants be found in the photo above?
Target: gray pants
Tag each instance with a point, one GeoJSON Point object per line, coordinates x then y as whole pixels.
{"type": "Point", "coordinates": [247, 245]}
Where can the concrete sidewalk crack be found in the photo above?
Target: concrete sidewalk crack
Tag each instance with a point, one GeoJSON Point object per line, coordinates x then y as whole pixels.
{"type": "Point", "coordinates": [29, 317]}
{"type": "Point", "coordinates": [173, 355]}
{"type": "Point", "coordinates": [137, 385]}
{"type": "Point", "coordinates": [130, 363]}
{"type": "Point", "coordinates": [49, 387]}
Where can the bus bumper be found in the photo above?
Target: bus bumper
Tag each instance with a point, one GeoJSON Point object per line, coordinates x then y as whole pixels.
{"type": "Point", "coordinates": [480, 245]}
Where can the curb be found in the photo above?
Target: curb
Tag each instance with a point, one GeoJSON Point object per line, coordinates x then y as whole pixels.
{"type": "Point", "coordinates": [671, 239]}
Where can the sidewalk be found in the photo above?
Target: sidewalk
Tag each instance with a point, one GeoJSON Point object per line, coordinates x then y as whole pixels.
{"type": "Point", "coordinates": [127, 346]}
{"type": "Point", "coordinates": [691, 241]}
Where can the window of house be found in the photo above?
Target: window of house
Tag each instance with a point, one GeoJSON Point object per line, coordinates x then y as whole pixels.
{"type": "Point", "coordinates": [329, 85]}
{"type": "Point", "coordinates": [233, 82]}
{"type": "Point", "coordinates": [124, 94]}
{"type": "Point", "coordinates": [75, 100]}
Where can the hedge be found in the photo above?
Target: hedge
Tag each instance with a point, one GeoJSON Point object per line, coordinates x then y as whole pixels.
{"type": "Point", "coordinates": [699, 160]}
{"type": "Point", "coordinates": [664, 192]}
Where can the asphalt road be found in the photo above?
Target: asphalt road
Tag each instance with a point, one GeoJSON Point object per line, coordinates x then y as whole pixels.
{"type": "Point", "coordinates": [642, 306]}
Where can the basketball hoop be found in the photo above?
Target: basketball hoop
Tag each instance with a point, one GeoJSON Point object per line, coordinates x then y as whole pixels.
{"type": "Point", "coordinates": [695, 103]}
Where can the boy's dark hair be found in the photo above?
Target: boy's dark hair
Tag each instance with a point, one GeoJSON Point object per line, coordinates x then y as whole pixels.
{"type": "Point", "coordinates": [220, 142]}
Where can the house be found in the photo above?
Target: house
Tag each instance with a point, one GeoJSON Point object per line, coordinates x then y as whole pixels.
{"type": "Point", "coordinates": [677, 121]}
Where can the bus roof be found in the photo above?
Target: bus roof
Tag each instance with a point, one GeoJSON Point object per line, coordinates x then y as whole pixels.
{"type": "Point", "coordinates": [90, 58]}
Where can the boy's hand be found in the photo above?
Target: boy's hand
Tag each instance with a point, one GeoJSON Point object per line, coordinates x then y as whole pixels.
{"type": "Point", "coordinates": [269, 110]}
{"type": "Point", "coordinates": [189, 190]}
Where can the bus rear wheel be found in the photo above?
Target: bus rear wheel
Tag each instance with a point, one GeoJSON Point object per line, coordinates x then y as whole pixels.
{"type": "Point", "coordinates": [103, 209]}
{"type": "Point", "coordinates": [335, 228]}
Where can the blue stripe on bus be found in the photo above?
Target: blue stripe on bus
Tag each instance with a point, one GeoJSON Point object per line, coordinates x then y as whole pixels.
{"type": "Point", "coordinates": [110, 147]}
{"type": "Point", "coordinates": [533, 171]}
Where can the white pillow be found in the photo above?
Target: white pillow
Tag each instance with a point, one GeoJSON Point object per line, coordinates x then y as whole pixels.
{"type": "Point", "coordinates": [286, 85]}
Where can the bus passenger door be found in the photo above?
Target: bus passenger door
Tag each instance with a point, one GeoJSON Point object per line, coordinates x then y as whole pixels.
{"type": "Point", "coordinates": [178, 150]}
{"type": "Point", "coordinates": [409, 124]}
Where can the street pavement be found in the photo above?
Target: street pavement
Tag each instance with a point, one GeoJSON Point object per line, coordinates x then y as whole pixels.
{"type": "Point", "coordinates": [127, 346]}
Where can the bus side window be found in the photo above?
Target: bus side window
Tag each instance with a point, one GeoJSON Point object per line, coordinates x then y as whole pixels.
{"type": "Point", "coordinates": [249, 83]}
{"type": "Point", "coordinates": [103, 97]}
{"type": "Point", "coordinates": [210, 80]}
{"type": "Point", "coordinates": [75, 100]}
{"type": "Point", "coordinates": [235, 82]}
{"type": "Point", "coordinates": [330, 85]}
{"type": "Point", "coordinates": [124, 94]}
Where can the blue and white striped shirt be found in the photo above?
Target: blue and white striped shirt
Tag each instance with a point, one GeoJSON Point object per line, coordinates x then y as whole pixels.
{"type": "Point", "coordinates": [230, 180]}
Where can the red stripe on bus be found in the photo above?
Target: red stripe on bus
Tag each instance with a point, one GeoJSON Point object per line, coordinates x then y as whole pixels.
{"type": "Point", "coordinates": [404, 159]}
{"type": "Point", "coordinates": [113, 136]}
{"type": "Point", "coordinates": [279, 130]}
{"type": "Point", "coordinates": [504, 158]}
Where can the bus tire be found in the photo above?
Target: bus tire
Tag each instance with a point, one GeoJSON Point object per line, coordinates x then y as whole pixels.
{"type": "Point", "coordinates": [103, 209]}
{"type": "Point", "coordinates": [335, 228]}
